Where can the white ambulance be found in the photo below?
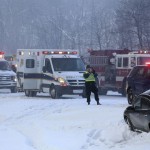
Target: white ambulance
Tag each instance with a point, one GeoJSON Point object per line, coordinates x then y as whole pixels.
{"type": "Point", "coordinates": [8, 78]}
{"type": "Point", "coordinates": [56, 72]}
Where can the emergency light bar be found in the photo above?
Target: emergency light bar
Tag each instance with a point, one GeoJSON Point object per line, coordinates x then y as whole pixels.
{"type": "Point", "coordinates": [140, 52]}
{"type": "Point", "coordinates": [144, 52]}
{"type": "Point", "coordinates": [60, 52]}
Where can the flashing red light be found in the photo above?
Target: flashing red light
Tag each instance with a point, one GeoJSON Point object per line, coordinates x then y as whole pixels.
{"type": "Point", "coordinates": [147, 63]}
{"type": "Point", "coordinates": [45, 52]}
{"type": "Point", "coordinates": [1, 53]}
{"type": "Point", "coordinates": [74, 52]}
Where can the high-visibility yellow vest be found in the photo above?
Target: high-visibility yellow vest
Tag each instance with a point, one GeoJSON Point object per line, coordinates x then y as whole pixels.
{"type": "Point", "coordinates": [90, 78]}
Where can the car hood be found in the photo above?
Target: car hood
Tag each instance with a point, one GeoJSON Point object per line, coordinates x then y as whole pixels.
{"type": "Point", "coordinates": [7, 73]}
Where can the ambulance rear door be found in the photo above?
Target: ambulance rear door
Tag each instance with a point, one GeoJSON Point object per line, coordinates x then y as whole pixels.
{"type": "Point", "coordinates": [31, 76]}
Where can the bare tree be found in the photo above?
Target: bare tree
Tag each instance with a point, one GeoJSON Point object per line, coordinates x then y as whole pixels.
{"type": "Point", "coordinates": [133, 23]}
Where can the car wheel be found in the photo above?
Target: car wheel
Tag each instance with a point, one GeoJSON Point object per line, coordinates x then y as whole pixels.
{"type": "Point", "coordinates": [129, 124]}
{"type": "Point", "coordinates": [33, 93]}
{"type": "Point", "coordinates": [54, 93]}
{"type": "Point", "coordinates": [13, 90]}
{"type": "Point", "coordinates": [130, 96]}
{"type": "Point", "coordinates": [27, 93]}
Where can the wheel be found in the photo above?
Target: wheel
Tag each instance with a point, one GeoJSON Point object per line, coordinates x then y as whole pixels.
{"type": "Point", "coordinates": [33, 93]}
{"type": "Point", "coordinates": [13, 90]}
{"type": "Point", "coordinates": [129, 124]}
{"type": "Point", "coordinates": [130, 96]}
{"type": "Point", "coordinates": [27, 93]}
{"type": "Point", "coordinates": [54, 93]}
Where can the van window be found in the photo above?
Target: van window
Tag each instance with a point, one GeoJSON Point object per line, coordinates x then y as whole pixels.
{"type": "Point", "coordinates": [119, 64]}
{"type": "Point", "coordinates": [125, 61]}
{"type": "Point", "coordinates": [30, 63]}
{"type": "Point", "coordinates": [48, 65]}
{"type": "Point", "coordinates": [133, 62]}
{"type": "Point", "coordinates": [147, 75]}
{"type": "Point", "coordinates": [140, 72]}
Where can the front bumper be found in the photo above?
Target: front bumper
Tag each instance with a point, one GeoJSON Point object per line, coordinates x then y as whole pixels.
{"type": "Point", "coordinates": [70, 90]}
{"type": "Point", "coordinates": [7, 85]}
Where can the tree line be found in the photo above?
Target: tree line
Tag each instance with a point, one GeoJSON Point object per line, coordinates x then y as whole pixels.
{"type": "Point", "coordinates": [74, 24]}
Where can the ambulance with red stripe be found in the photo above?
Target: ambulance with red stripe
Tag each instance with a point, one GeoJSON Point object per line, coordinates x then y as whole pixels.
{"type": "Point", "coordinates": [57, 72]}
{"type": "Point", "coordinates": [113, 67]}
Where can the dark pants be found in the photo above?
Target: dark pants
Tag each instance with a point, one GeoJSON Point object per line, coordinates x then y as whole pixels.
{"type": "Point", "coordinates": [91, 87]}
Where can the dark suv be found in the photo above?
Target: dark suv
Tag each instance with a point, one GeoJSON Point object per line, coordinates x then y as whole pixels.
{"type": "Point", "coordinates": [137, 82]}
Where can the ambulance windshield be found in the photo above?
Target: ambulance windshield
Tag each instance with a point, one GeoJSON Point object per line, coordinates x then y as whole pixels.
{"type": "Point", "coordinates": [68, 64]}
{"type": "Point", "coordinates": [4, 65]}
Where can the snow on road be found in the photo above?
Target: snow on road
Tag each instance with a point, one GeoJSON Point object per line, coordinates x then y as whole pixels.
{"type": "Point", "coordinates": [42, 123]}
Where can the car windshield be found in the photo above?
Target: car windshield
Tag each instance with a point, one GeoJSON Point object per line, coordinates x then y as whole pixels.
{"type": "Point", "coordinates": [4, 65]}
{"type": "Point", "coordinates": [143, 60]}
{"type": "Point", "coordinates": [68, 64]}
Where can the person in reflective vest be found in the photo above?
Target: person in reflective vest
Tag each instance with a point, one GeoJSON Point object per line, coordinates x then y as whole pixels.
{"type": "Point", "coordinates": [90, 84]}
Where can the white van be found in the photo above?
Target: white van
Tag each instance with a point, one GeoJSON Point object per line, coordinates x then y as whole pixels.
{"type": "Point", "coordinates": [8, 78]}
{"type": "Point", "coordinates": [56, 72]}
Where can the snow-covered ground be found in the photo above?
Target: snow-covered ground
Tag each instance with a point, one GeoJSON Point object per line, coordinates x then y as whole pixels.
{"type": "Point", "coordinates": [42, 123]}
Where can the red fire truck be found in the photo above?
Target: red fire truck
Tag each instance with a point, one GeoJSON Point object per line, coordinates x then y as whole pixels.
{"type": "Point", "coordinates": [113, 66]}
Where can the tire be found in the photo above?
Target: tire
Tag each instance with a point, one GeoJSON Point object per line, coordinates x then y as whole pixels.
{"type": "Point", "coordinates": [27, 93]}
{"type": "Point", "coordinates": [13, 90]}
{"type": "Point", "coordinates": [54, 93]}
{"type": "Point", "coordinates": [129, 124]}
{"type": "Point", "coordinates": [33, 93]}
{"type": "Point", "coordinates": [130, 96]}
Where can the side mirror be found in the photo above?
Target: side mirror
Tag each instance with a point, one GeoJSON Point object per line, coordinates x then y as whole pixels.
{"type": "Point", "coordinates": [44, 69]}
{"type": "Point", "coordinates": [130, 108]}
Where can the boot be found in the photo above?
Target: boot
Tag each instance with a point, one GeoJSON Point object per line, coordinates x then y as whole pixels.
{"type": "Point", "coordinates": [98, 103]}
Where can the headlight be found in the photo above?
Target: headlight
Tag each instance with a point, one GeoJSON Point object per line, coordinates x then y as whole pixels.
{"type": "Point", "coordinates": [14, 78]}
{"type": "Point", "coordinates": [61, 80]}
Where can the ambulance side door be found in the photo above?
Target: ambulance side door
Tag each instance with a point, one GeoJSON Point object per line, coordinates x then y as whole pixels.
{"type": "Point", "coordinates": [47, 75]}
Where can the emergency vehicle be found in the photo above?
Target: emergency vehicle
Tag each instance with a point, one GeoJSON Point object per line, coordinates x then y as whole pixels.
{"type": "Point", "coordinates": [8, 78]}
{"type": "Point", "coordinates": [113, 67]}
{"type": "Point", "coordinates": [56, 72]}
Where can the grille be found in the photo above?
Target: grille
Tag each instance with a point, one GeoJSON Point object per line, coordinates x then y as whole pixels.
{"type": "Point", "coordinates": [76, 82]}
{"type": "Point", "coordinates": [5, 78]}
